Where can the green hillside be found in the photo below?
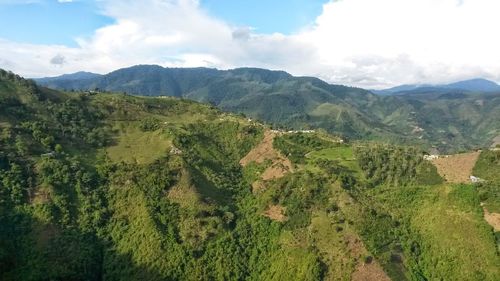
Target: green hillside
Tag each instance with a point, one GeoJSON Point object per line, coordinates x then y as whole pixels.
{"type": "Point", "coordinates": [449, 121]}
{"type": "Point", "coordinates": [118, 187]}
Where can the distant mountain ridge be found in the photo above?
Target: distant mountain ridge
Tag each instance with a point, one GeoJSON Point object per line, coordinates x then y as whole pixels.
{"type": "Point", "coordinates": [72, 76]}
{"type": "Point", "coordinates": [274, 96]}
{"type": "Point", "coordinates": [471, 85]}
{"type": "Point", "coordinates": [444, 117]}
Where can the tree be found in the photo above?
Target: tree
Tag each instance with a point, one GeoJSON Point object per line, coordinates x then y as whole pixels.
{"type": "Point", "coordinates": [47, 142]}
{"type": "Point", "coordinates": [21, 146]}
{"type": "Point", "coordinates": [58, 148]}
{"type": "Point", "coordinates": [14, 181]}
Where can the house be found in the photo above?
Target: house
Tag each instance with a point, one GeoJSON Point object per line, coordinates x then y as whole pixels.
{"type": "Point", "coordinates": [431, 157]}
{"type": "Point", "coordinates": [175, 151]}
{"type": "Point", "coordinates": [474, 179]}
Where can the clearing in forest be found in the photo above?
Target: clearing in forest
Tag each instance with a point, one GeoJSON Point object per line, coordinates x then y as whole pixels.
{"type": "Point", "coordinates": [370, 272]}
{"type": "Point", "coordinates": [365, 271]}
{"type": "Point", "coordinates": [493, 219]}
{"type": "Point", "coordinates": [456, 168]}
{"type": "Point", "coordinates": [132, 145]}
{"type": "Point", "coordinates": [280, 165]}
{"type": "Point", "coordinates": [276, 213]}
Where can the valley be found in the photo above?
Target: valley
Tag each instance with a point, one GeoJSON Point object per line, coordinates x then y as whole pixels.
{"type": "Point", "coordinates": [223, 140]}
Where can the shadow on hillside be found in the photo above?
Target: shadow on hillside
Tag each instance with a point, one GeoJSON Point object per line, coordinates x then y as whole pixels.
{"type": "Point", "coordinates": [33, 250]}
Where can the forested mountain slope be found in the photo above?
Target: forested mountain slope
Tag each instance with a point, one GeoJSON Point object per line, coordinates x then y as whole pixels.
{"type": "Point", "coordinates": [449, 121]}
{"type": "Point", "coordinates": [117, 187]}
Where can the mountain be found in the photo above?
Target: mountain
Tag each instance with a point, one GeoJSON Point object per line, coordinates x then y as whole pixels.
{"type": "Point", "coordinates": [76, 76]}
{"type": "Point", "coordinates": [465, 121]}
{"type": "Point", "coordinates": [401, 88]}
{"type": "Point", "coordinates": [102, 186]}
{"type": "Point", "coordinates": [473, 85]}
{"type": "Point", "coordinates": [273, 96]}
{"type": "Point", "coordinates": [68, 78]}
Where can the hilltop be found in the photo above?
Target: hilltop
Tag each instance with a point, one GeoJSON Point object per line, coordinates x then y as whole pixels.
{"type": "Point", "coordinates": [110, 186]}
{"type": "Point", "coordinates": [450, 120]}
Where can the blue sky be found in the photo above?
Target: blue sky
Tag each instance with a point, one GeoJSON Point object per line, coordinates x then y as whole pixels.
{"type": "Point", "coordinates": [60, 22]}
{"type": "Point", "coordinates": [49, 22]}
{"type": "Point", "coordinates": [267, 16]}
{"type": "Point", "coordinates": [366, 43]}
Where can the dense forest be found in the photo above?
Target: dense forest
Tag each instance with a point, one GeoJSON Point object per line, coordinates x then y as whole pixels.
{"type": "Point", "coordinates": [103, 186]}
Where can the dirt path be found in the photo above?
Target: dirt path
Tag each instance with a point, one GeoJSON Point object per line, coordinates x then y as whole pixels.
{"type": "Point", "coordinates": [456, 168]}
{"type": "Point", "coordinates": [280, 165]}
{"type": "Point", "coordinates": [493, 219]}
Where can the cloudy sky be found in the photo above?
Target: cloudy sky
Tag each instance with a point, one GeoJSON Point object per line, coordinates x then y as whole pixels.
{"type": "Point", "coordinates": [367, 43]}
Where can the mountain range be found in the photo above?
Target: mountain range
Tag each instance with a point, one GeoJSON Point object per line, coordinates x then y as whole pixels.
{"type": "Point", "coordinates": [449, 117]}
{"type": "Point", "coordinates": [110, 186]}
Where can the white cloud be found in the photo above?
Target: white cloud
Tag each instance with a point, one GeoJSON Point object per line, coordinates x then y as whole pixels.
{"type": "Point", "coordinates": [58, 60]}
{"type": "Point", "coordinates": [406, 41]}
{"type": "Point", "coordinates": [358, 42]}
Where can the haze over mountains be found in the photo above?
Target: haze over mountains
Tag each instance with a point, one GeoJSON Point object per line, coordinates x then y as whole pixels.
{"type": "Point", "coordinates": [451, 117]}
{"type": "Point", "coordinates": [472, 85]}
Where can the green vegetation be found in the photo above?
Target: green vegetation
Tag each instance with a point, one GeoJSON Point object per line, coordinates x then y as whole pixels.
{"type": "Point", "coordinates": [116, 187]}
{"type": "Point", "coordinates": [486, 168]}
{"type": "Point", "coordinates": [296, 146]}
{"type": "Point", "coordinates": [423, 232]}
{"type": "Point", "coordinates": [394, 165]}
{"type": "Point", "coordinates": [447, 120]}
{"type": "Point", "coordinates": [487, 165]}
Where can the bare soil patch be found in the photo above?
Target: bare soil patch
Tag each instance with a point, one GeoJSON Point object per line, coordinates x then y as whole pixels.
{"type": "Point", "coordinates": [370, 272]}
{"type": "Point", "coordinates": [493, 219]}
{"type": "Point", "coordinates": [355, 246]}
{"type": "Point", "coordinates": [276, 213]}
{"type": "Point", "coordinates": [277, 170]}
{"type": "Point", "coordinates": [456, 168]}
{"type": "Point", "coordinates": [258, 186]}
{"type": "Point", "coordinates": [265, 151]}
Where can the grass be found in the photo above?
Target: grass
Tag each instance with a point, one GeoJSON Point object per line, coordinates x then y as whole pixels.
{"type": "Point", "coordinates": [344, 154]}
{"type": "Point", "coordinates": [457, 242]}
{"type": "Point", "coordinates": [453, 240]}
{"type": "Point", "coordinates": [135, 146]}
{"type": "Point", "coordinates": [330, 241]}
{"type": "Point", "coordinates": [337, 153]}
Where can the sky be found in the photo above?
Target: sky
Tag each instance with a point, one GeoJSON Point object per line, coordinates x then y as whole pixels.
{"type": "Point", "coordinates": [364, 43]}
